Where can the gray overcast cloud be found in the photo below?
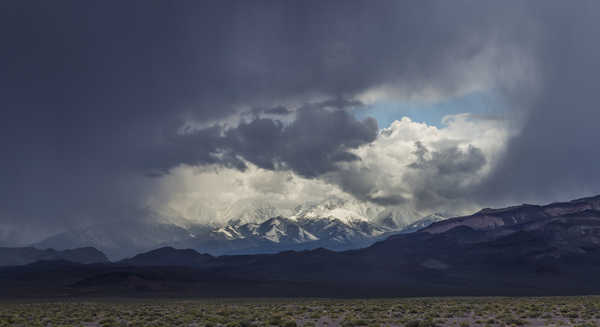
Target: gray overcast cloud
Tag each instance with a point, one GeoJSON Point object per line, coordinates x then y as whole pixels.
{"type": "Point", "coordinates": [112, 107]}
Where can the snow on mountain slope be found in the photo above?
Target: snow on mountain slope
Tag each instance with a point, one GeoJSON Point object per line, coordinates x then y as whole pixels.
{"type": "Point", "coordinates": [335, 230]}
{"type": "Point", "coordinates": [251, 227]}
{"type": "Point", "coordinates": [336, 220]}
{"type": "Point", "coordinates": [277, 230]}
{"type": "Point", "coordinates": [303, 229]}
{"type": "Point", "coordinates": [284, 230]}
{"type": "Point", "coordinates": [342, 209]}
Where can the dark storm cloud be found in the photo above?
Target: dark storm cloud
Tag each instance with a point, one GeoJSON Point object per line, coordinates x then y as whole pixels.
{"type": "Point", "coordinates": [391, 200]}
{"type": "Point", "coordinates": [556, 155]}
{"type": "Point", "coordinates": [440, 175]}
{"type": "Point", "coordinates": [93, 94]}
{"type": "Point", "coordinates": [435, 179]}
{"type": "Point", "coordinates": [317, 139]}
{"type": "Point", "coordinates": [310, 145]}
{"type": "Point", "coordinates": [449, 161]}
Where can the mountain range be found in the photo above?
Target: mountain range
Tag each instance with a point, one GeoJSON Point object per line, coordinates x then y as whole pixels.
{"type": "Point", "coordinates": [26, 255]}
{"type": "Point", "coordinates": [334, 224]}
{"type": "Point", "coordinates": [522, 250]}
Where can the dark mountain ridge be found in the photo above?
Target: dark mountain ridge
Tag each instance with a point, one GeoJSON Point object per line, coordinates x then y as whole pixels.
{"type": "Point", "coordinates": [493, 218]}
{"type": "Point", "coordinates": [26, 255]}
{"type": "Point", "coordinates": [168, 256]}
{"type": "Point", "coordinates": [521, 250]}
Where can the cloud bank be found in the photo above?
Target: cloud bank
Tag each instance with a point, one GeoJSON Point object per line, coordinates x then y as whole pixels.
{"type": "Point", "coordinates": [410, 168]}
{"type": "Point", "coordinates": [107, 109]}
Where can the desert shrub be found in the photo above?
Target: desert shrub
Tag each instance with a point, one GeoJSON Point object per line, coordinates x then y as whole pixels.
{"type": "Point", "coordinates": [421, 323]}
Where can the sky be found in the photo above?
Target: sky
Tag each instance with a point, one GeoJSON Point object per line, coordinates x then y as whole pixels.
{"type": "Point", "coordinates": [129, 110]}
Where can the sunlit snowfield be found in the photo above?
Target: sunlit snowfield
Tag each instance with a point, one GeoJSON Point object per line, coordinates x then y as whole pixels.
{"type": "Point", "coordinates": [549, 311]}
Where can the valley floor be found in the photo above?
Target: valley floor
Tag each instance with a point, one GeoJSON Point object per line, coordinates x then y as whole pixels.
{"type": "Point", "coordinates": [411, 312]}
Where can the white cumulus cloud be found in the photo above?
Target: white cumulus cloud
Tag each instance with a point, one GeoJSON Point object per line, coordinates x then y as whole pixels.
{"type": "Point", "coordinates": [411, 169]}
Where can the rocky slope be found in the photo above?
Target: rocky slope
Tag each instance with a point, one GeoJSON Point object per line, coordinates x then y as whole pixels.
{"type": "Point", "coordinates": [489, 219]}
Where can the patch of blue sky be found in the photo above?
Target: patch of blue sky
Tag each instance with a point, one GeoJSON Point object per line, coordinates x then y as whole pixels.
{"type": "Point", "coordinates": [487, 103]}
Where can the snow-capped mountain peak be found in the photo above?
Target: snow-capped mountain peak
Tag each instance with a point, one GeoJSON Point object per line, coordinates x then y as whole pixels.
{"type": "Point", "coordinates": [230, 232]}
{"type": "Point", "coordinates": [276, 229]}
{"type": "Point", "coordinates": [250, 227]}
